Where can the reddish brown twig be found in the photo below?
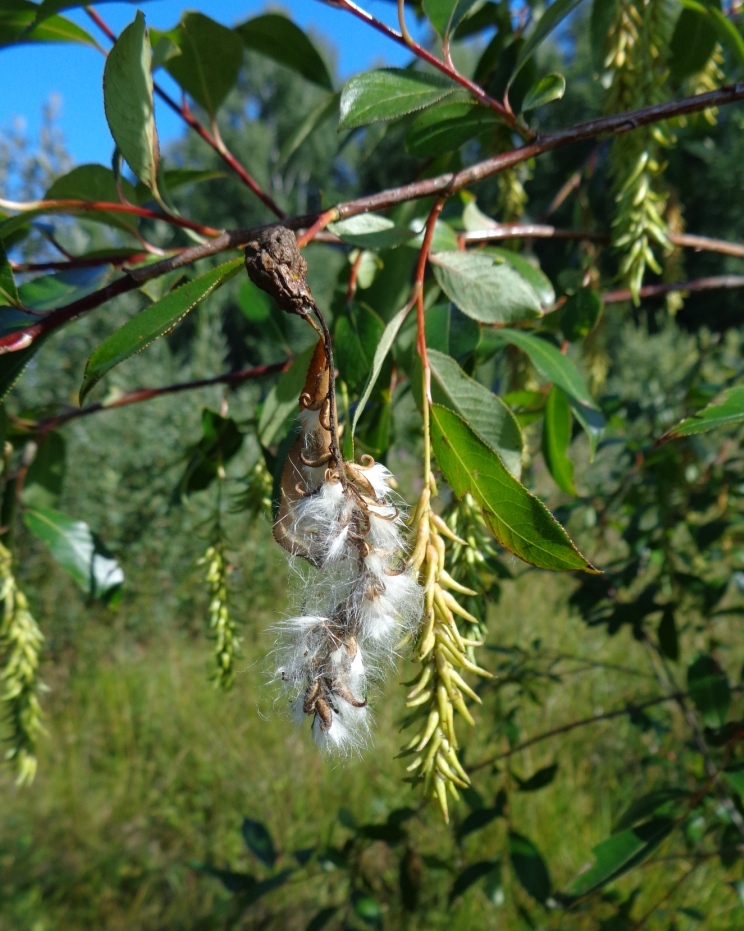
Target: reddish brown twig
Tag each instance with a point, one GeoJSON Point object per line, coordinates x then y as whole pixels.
{"type": "Point", "coordinates": [216, 143]}
{"type": "Point", "coordinates": [714, 283]}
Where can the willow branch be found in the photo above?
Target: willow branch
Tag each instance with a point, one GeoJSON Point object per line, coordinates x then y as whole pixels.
{"type": "Point", "coordinates": [232, 379]}
{"type": "Point", "coordinates": [215, 143]}
{"type": "Point", "coordinates": [714, 283]}
{"type": "Point", "coordinates": [445, 185]}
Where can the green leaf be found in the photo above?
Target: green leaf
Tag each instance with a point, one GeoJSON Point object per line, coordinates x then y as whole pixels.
{"type": "Point", "coordinates": [448, 125]}
{"type": "Point", "coordinates": [316, 118]}
{"type": "Point", "coordinates": [667, 634]}
{"type": "Point", "coordinates": [367, 908]}
{"type": "Point", "coordinates": [734, 776]}
{"type": "Point", "coordinates": [580, 313]}
{"type": "Point", "coordinates": [550, 363]}
{"type": "Point", "coordinates": [48, 292]}
{"type": "Point", "coordinates": [8, 289]}
{"type": "Point", "coordinates": [255, 304]}
{"type": "Point", "coordinates": [621, 853]}
{"type": "Point", "coordinates": [127, 100]}
{"type": "Point", "coordinates": [279, 38]}
{"type": "Point", "coordinates": [444, 15]}
{"type": "Point", "coordinates": [383, 348]}
{"type": "Point", "coordinates": [283, 400]}
{"type": "Point", "coordinates": [484, 412]}
{"type": "Point", "coordinates": [448, 330]}
{"type": "Point", "coordinates": [153, 322]}
{"type": "Point", "coordinates": [388, 94]}
{"type": "Point", "coordinates": [221, 440]}
{"type": "Point", "coordinates": [484, 289]}
{"type": "Point", "coordinates": [600, 25]}
{"type": "Point", "coordinates": [532, 274]}
{"type": "Point", "coordinates": [709, 690]}
{"type": "Point", "coordinates": [470, 875]}
{"type": "Point", "coordinates": [96, 183]}
{"type": "Point", "coordinates": [16, 26]}
{"type": "Point", "coordinates": [48, 7]}
{"type": "Point", "coordinates": [727, 32]}
{"type": "Point", "coordinates": [556, 438]}
{"type": "Point", "coordinates": [45, 476]}
{"type": "Point", "coordinates": [551, 18]}
{"type": "Point", "coordinates": [370, 231]}
{"type": "Point", "coordinates": [529, 867]}
{"type": "Point", "coordinates": [357, 336]}
{"type": "Point", "coordinates": [543, 777]}
{"type": "Point", "coordinates": [693, 41]}
{"type": "Point", "coordinates": [725, 410]}
{"type": "Point", "coordinates": [78, 550]}
{"type": "Point", "coordinates": [209, 62]}
{"type": "Point", "coordinates": [321, 919]}
{"type": "Point", "coordinates": [176, 178]}
{"type": "Point", "coordinates": [12, 364]}
{"type": "Point", "coordinates": [667, 802]}
{"type": "Point", "coordinates": [518, 520]}
{"type": "Point", "coordinates": [549, 88]}
{"type": "Point", "coordinates": [259, 842]}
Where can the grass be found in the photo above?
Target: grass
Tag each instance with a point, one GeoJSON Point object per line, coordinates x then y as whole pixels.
{"type": "Point", "coordinates": [148, 772]}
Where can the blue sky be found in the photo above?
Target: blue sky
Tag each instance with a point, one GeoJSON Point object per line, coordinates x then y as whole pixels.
{"type": "Point", "coordinates": [30, 75]}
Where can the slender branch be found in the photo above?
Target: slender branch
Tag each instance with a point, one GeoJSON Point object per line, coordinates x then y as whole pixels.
{"type": "Point", "coordinates": [407, 41]}
{"type": "Point", "coordinates": [441, 185]}
{"type": "Point", "coordinates": [92, 261]}
{"type": "Point", "coordinates": [85, 206]}
{"type": "Point", "coordinates": [213, 141]}
{"type": "Point", "coordinates": [232, 379]}
{"type": "Point", "coordinates": [715, 282]}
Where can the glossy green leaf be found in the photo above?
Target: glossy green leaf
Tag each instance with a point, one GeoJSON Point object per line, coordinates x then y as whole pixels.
{"type": "Point", "coordinates": [548, 88]}
{"type": "Point", "coordinates": [621, 853]}
{"type": "Point", "coordinates": [48, 292]}
{"type": "Point", "coordinates": [370, 231]}
{"type": "Point", "coordinates": [532, 274]}
{"type": "Point", "coordinates": [556, 438]}
{"type": "Point", "coordinates": [484, 412]}
{"type": "Point", "coordinates": [692, 43]}
{"type": "Point", "coordinates": [259, 841]}
{"type": "Point", "coordinates": [17, 18]}
{"type": "Point", "coordinates": [13, 364]}
{"type": "Point", "coordinates": [470, 876]}
{"type": "Point", "coordinates": [529, 867]}
{"type": "Point", "coordinates": [709, 690]}
{"type": "Point", "coordinates": [727, 409]}
{"type": "Point", "coordinates": [279, 38]}
{"type": "Point", "coordinates": [485, 289]}
{"type": "Point", "coordinates": [358, 333]}
{"type": "Point", "coordinates": [153, 322]}
{"type": "Point", "coordinates": [518, 520]}
{"type": "Point", "coordinates": [383, 348]}
{"type": "Point", "coordinates": [387, 94]}
{"type": "Point", "coordinates": [580, 313]}
{"type": "Point", "coordinates": [282, 402]}
{"type": "Point", "coordinates": [367, 909]}
{"type": "Point", "coordinates": [221, 439]}
{"type": "Point", "coordinates": [448, 125]}
{"type": "Point", "coordinates": [550, 363]}
{"type": "Point", "coordinates": [255, 304]}
{"type": "Point", "coordinates": [550, 19]}
{"type": "Point", "coordinates": [209, 62]}
{"type": "Point", "coordinates": [450, 331]}
{"type": "Point", "coordinates": [128, 101]}
{"type": "Point", "coordinates": [8, 289]}
{"type": "Point", "coordinates": [316, 118]}
{"type": "Point", "coordinates": [46, 474]}
{"type": "Point", "coordinates": [444, 15]}
{"type": "Point", "coordinates": [727, 32]}
{"type": "Point", "coordinates": [78, 550]}
{"type": "Point", "coordinates": [96, 183]}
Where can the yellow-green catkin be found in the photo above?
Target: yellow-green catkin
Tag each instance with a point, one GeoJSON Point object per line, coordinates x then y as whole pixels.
{"type": "Point", "coordinates": [445, 655]}
{"type": "Point", "coordinates": [20, 652]}
{"type": "Point", "coordinates": [221, 624]}
{"type": "Point", "coordinates": [512, 194]}
{"type": "Point", "coordinates": [635, 62]}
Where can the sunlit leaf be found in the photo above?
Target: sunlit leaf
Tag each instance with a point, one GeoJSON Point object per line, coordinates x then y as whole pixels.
{"type": "Point", "coordinates": [726, 410]}
{"type": "Point", "coordinates": [387, 94]}
{"type": "Point", "coordinates": [444, 15]}
{"type": "Point", "coordinates": [556, 438]}
{"type": "Point", "coordinates": [371, 231]}
{"type": "Point", "coordinates": [549, 88]}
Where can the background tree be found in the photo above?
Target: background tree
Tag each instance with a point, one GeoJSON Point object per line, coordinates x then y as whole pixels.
{"type": "Point", "coordinates": [526, 248]}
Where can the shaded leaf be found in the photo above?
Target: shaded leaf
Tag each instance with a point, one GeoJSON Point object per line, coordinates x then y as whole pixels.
{"type": "Point", "coordinates": [667, 802]}
{"type": "Point", "coordinates": [543, 777]}
{"type": "Point", "coordinates": [483, 289]}
{"type": "Point", "coordinates": [48, 292]}
{"type": "Point", "coordinates": [48, 7]}
{"type": "Point", "coordinates": [444, 15]}
{"type": "Point", "coordinates": [692, 43]}
{"type": "Point", "coordinates": [734, 776]}
{"type": "Point", "coordinates": [128, 102]}
{"type": "Point", "coordinates": [8, 289]}
{"type": "Point", "coordinates": [18, 16]}
{"type": "Point", "coordinates": [550, 87]}
{"type": "Point", "coordinates": [209, 61]}
{"type": "Point", "coordinates": [221, 440]}
{"type": "Point", "coordinates": [448, 125]}
{"type": "Point", "coordinates": [556, 438]}
{"type": "Point", "coordinates": [12, 364]}
{"type": "Point", "coordinates": [279, 38]}
{"type": "Point", "coordinates": [726, 409]}
{"type": "Point", "coordinates": [46, 474]}
{"type": "Point", "coordinates": [368, 909]}
{"type": "Point", "coordinates": [518, 520]}
{"type": "Point", "coordinates": [450, 331]}
{"type": "Point", "coordinates": [319, 921]}
{"type": "Point", "coordinates": [358, 333]}
{"type": "Point", "coordinates": [667, 634]}
{"type": "Point", "coordinates": [580, 313]}
{"type": "Point", "coordinates": [551, 18]}
{"type": "Point", "coordinates": [470, 875]}
{"type": "Point", "coordinates": [387, 94]}
{"type": "Point", "coordinates": [529, 867]}
{"type": "Point", "coordinates": [96, 183]}
{"type": "Point", "coordinates": [727, 32]}
{"type": "Point", "coordinates": [283, 400]}
{"type": "Point", "coordinates": [78, 550]}
{"type": "Point", "coordinates": [153, 322]}
{"type": "Point", "coordinates": [709, 690]}
{"type": "Point", "coordinates": [370, 231]}
{"type": "Point", "coordinates": [316, 118]}
{"type": "Point", "coordinates": [259, 841]}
